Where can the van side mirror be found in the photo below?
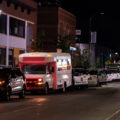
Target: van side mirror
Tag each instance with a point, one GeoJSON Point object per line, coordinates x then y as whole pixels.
{"type": "Point", "coordinates": [53, 70]}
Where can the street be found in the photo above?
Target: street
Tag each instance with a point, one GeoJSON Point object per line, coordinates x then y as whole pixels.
{"type": "Point", "coordinates": [95, 103]}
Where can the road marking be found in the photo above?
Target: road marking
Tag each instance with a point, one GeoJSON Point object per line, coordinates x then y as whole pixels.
{"type": "Point", "coordinates": [25, 108]}
{"type": "Point", "coordinates": [115, 113]}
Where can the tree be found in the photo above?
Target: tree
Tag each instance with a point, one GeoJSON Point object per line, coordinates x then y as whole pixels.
{"type": "Point", "coordinates": [37, 43]}
{"type": "Point", "coordinates": [82, 60]}
{"type": "Point", "coordinates": [64, 42]}
{"type": "Point", "coordinates": [86, 60]}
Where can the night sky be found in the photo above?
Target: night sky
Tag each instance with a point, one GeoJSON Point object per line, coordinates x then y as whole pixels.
{"type": "Point", "coordinates": [107, 25]}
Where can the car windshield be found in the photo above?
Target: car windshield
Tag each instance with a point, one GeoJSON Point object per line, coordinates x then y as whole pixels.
{"type": "Point", "coordinates": [108, 72]}
{"type": "Point", "coordinates": [93, 72]}
{"type": "Point", "coordinates": [102, 73]}
{"type": "Point", "coordinates": [34, 69]}
{"type": "Point", "coordinates": [79, 71]}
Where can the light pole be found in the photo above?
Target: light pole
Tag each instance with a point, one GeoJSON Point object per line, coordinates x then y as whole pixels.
{"type": "Point", "coordinates": [93, 39]}
{"type": "Point", "coordinates": [90, 24]}
{"type": "Point", "coordinates": [0, 12]}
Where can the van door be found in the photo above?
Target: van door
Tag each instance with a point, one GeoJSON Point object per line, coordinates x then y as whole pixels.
{"type": "Point", "coordinates": [49, 76]}
{"type": "Point", "coordinates": [53, 70]}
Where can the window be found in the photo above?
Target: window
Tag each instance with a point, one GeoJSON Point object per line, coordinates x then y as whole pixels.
{"type": "Point", "coordinates": [22, 51]}
{"type": "Point", "coordinates": [61, 29]}
{"type": "Point", "coordinates": [34, 69]}
{"type": "Point", "coordinates": [3, 23]}
{"type": "Point", "coordinates": [67, 30]}
{"type": "Point", "coordinates": [17, 27]}
{"type": "Point", "coordinates": [11, 60]}
{"type": "Point", "coordinates": [93, 72]}
{"type": "Point", "coordinates": [63, 64]}
{"type": "Point", "coordinates": [2, 56]}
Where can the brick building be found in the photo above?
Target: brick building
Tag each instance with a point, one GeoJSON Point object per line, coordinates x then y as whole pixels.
{"type": "Point", "coordinates": [53, 22]}
{"type": "Point", "coordinates": [18, 20]}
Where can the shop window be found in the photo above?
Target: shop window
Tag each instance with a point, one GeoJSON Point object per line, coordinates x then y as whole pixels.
{"type": "Point", "coordinates": [17, 27]}
{"type": "Point", "coordinates": [3, 23]}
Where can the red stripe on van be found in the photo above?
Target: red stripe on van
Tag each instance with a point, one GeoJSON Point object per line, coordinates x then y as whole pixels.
{"type": "Point", "coordinates": [33, 59]}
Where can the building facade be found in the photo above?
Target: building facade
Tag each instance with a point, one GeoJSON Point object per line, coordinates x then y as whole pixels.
{"type": "Point", "coordinates": [18, 20]}
{"type": "Point", "coordinates": [54, 22]}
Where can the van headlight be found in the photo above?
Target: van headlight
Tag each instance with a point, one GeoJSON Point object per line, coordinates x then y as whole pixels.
{"type": "Point", "coordinates": [40, 80]}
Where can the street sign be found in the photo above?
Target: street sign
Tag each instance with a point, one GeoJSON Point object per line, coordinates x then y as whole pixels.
{"type": "Point", "coordinates": [73, 48]}
{"type": "Point", "coordinates": [78, 32]}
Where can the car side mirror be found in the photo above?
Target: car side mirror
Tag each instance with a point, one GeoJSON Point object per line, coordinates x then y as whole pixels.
{"type": "Point", "coordinates": [13, 76]}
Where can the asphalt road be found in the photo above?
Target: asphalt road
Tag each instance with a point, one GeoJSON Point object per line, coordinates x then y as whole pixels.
{"type": "Point", "coordinates": [102, 103]}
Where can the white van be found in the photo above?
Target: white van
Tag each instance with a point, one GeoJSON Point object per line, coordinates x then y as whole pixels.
{"type": "Point", "coordinates": [93, 78]}
{"type": "Point", "coordinates": [44, 71]}
{"type": "Point", "coordinates": [102, 77]}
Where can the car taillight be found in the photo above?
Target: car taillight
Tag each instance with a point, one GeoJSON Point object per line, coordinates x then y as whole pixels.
{"type": "Point", "coordinates": [2, 82]}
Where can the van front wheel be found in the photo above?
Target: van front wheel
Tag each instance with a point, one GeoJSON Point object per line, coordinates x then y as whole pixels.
{"type": "Point", "coordinates": [64, 88]}
{"type": "Point", "coordinates": [46, 89]}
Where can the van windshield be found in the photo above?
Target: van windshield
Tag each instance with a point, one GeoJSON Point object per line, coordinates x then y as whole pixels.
{"type": "Point", "coordinates": [34, 69]}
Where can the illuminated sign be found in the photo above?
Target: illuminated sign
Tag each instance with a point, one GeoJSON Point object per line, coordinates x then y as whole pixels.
{"type": "Point", "coordinates": [78, 32]}
{"type": "Point", "coordinates": [73, 48]}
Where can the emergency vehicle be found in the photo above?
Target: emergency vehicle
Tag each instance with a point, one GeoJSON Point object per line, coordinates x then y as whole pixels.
{"type": "Point", "coordinates": [44, 71]}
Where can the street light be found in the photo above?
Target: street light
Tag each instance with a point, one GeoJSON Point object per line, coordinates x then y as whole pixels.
{"type": "Point", "coordinates": [90, 24]}
{"type": "Point", "coordinates": [116, 53]}
{"type": "Point", "coordinates": [0, 12]}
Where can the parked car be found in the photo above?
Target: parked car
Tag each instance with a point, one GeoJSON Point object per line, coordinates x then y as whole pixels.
{"type": "Point", "coordinates": [12, 81]}
{"type": "Point", "coordinates": [102, 77]}
{"type": "Point", "coordinates": [93, 78]}
{"type": "Point", "coordinates": [118, 76]}
{"type": "Point", "coordinates": [109, 75]}
{"type": "Point", "coordinates": [115, 74]}
{"type": "Point", "coordinates": [80, 77]}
